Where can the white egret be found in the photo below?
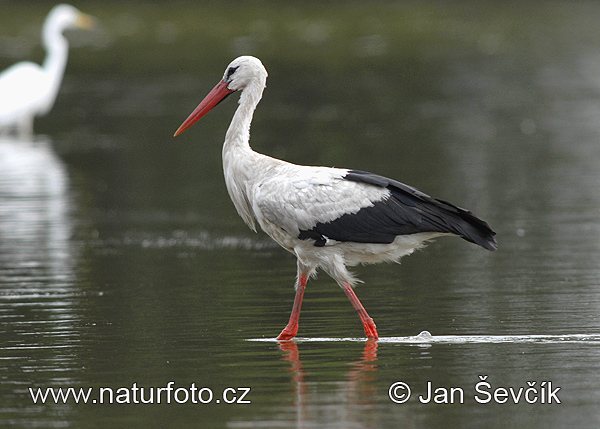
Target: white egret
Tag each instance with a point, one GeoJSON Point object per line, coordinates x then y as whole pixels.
{"type": "Point", "coordinates": [28, 89]}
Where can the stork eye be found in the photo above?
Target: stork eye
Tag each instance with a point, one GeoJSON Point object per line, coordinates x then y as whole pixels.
{"type": "Point", "coordinates": [231, 71]}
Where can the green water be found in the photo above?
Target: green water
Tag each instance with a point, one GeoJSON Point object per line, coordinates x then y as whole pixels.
{"type": "Point", "coordinates": [123, 261]}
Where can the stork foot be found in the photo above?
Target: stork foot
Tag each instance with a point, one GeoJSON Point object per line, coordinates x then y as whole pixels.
{"type": "Point", "coordinates": [291, 328]}
{"type": "Point", "coordinates": [288, 333]}
{"type": "Point", "coordinates": [367, 321]}
{"type": "Point", "coordinates": [370, 328]}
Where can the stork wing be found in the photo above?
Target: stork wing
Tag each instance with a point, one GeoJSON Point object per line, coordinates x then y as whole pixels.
{"type": "Point", "coordinates": [367, 208]}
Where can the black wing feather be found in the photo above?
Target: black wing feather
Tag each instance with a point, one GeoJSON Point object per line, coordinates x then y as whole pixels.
{"type": "Point", "coordinates": [406, 211]}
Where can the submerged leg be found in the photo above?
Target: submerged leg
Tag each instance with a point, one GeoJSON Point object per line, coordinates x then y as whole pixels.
{"type": "Point", "coordinates": [291, 328]}
{"type": "Point", "coordinates": [369, 325]}
{"type": "Point", "coordinates": [25, 128]}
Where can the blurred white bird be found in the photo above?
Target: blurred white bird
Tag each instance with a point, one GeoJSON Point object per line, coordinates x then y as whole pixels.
{"type": "Point", "coordinates": [28, 89]}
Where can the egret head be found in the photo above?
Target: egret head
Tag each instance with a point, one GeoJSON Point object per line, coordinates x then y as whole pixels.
{"type": "Point", "coordinates": [65, 16]}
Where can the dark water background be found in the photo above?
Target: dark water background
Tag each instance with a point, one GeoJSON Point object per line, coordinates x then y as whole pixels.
{"type": "Point", "coordinates": [123, 261]}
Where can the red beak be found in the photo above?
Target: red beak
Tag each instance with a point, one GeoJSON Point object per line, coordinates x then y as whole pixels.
{"type": "Point", "coordinates": [213, 98]}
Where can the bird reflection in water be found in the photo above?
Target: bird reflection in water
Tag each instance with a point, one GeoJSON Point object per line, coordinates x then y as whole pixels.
{"type": "Point", "coordinates": [36, 253]}
{"type": "Point", "coordinates": [350, 395]}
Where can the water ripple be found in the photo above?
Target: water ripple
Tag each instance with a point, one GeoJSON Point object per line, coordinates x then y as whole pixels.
{"type": "Point", "coordinates": [426, 338]}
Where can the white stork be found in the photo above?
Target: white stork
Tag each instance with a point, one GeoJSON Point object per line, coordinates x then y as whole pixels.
{"type": "Point", "coordinates": [28, 89]}
{"type": "Point", "coordinates": [330, 218]}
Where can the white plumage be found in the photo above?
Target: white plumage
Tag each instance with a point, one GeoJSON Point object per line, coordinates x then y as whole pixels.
{"type": "Point", "coordinates": [28, 89]}
{"type": "Point", "coordinates": [329, 218]}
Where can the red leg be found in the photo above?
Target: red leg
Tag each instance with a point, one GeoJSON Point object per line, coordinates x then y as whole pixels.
{"type": "Point", "coordinates": [370, 328]}
{"type": "Point", "coordinates": [291, 329]}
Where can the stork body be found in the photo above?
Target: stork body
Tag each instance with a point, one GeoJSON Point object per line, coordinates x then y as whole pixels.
{"type": "Point", "coordinates": [28, 89]}
{"type": "Point", "coordinates": [330, 218]}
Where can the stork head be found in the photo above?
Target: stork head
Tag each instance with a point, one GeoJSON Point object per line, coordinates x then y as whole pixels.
{"type": "Point", "coordinates": [243, 73]}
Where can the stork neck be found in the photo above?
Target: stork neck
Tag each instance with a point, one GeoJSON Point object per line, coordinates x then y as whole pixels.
{"type": "Point", "coordinates": [238, 133]}
{"type": "Point", "coordinates": [239, 160]}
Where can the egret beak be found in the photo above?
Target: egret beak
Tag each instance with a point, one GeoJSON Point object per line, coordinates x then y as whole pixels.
{"type": "Point", "coordinates": [213, 98]}
{"type": "Point", "coordinates": [85, 21]}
